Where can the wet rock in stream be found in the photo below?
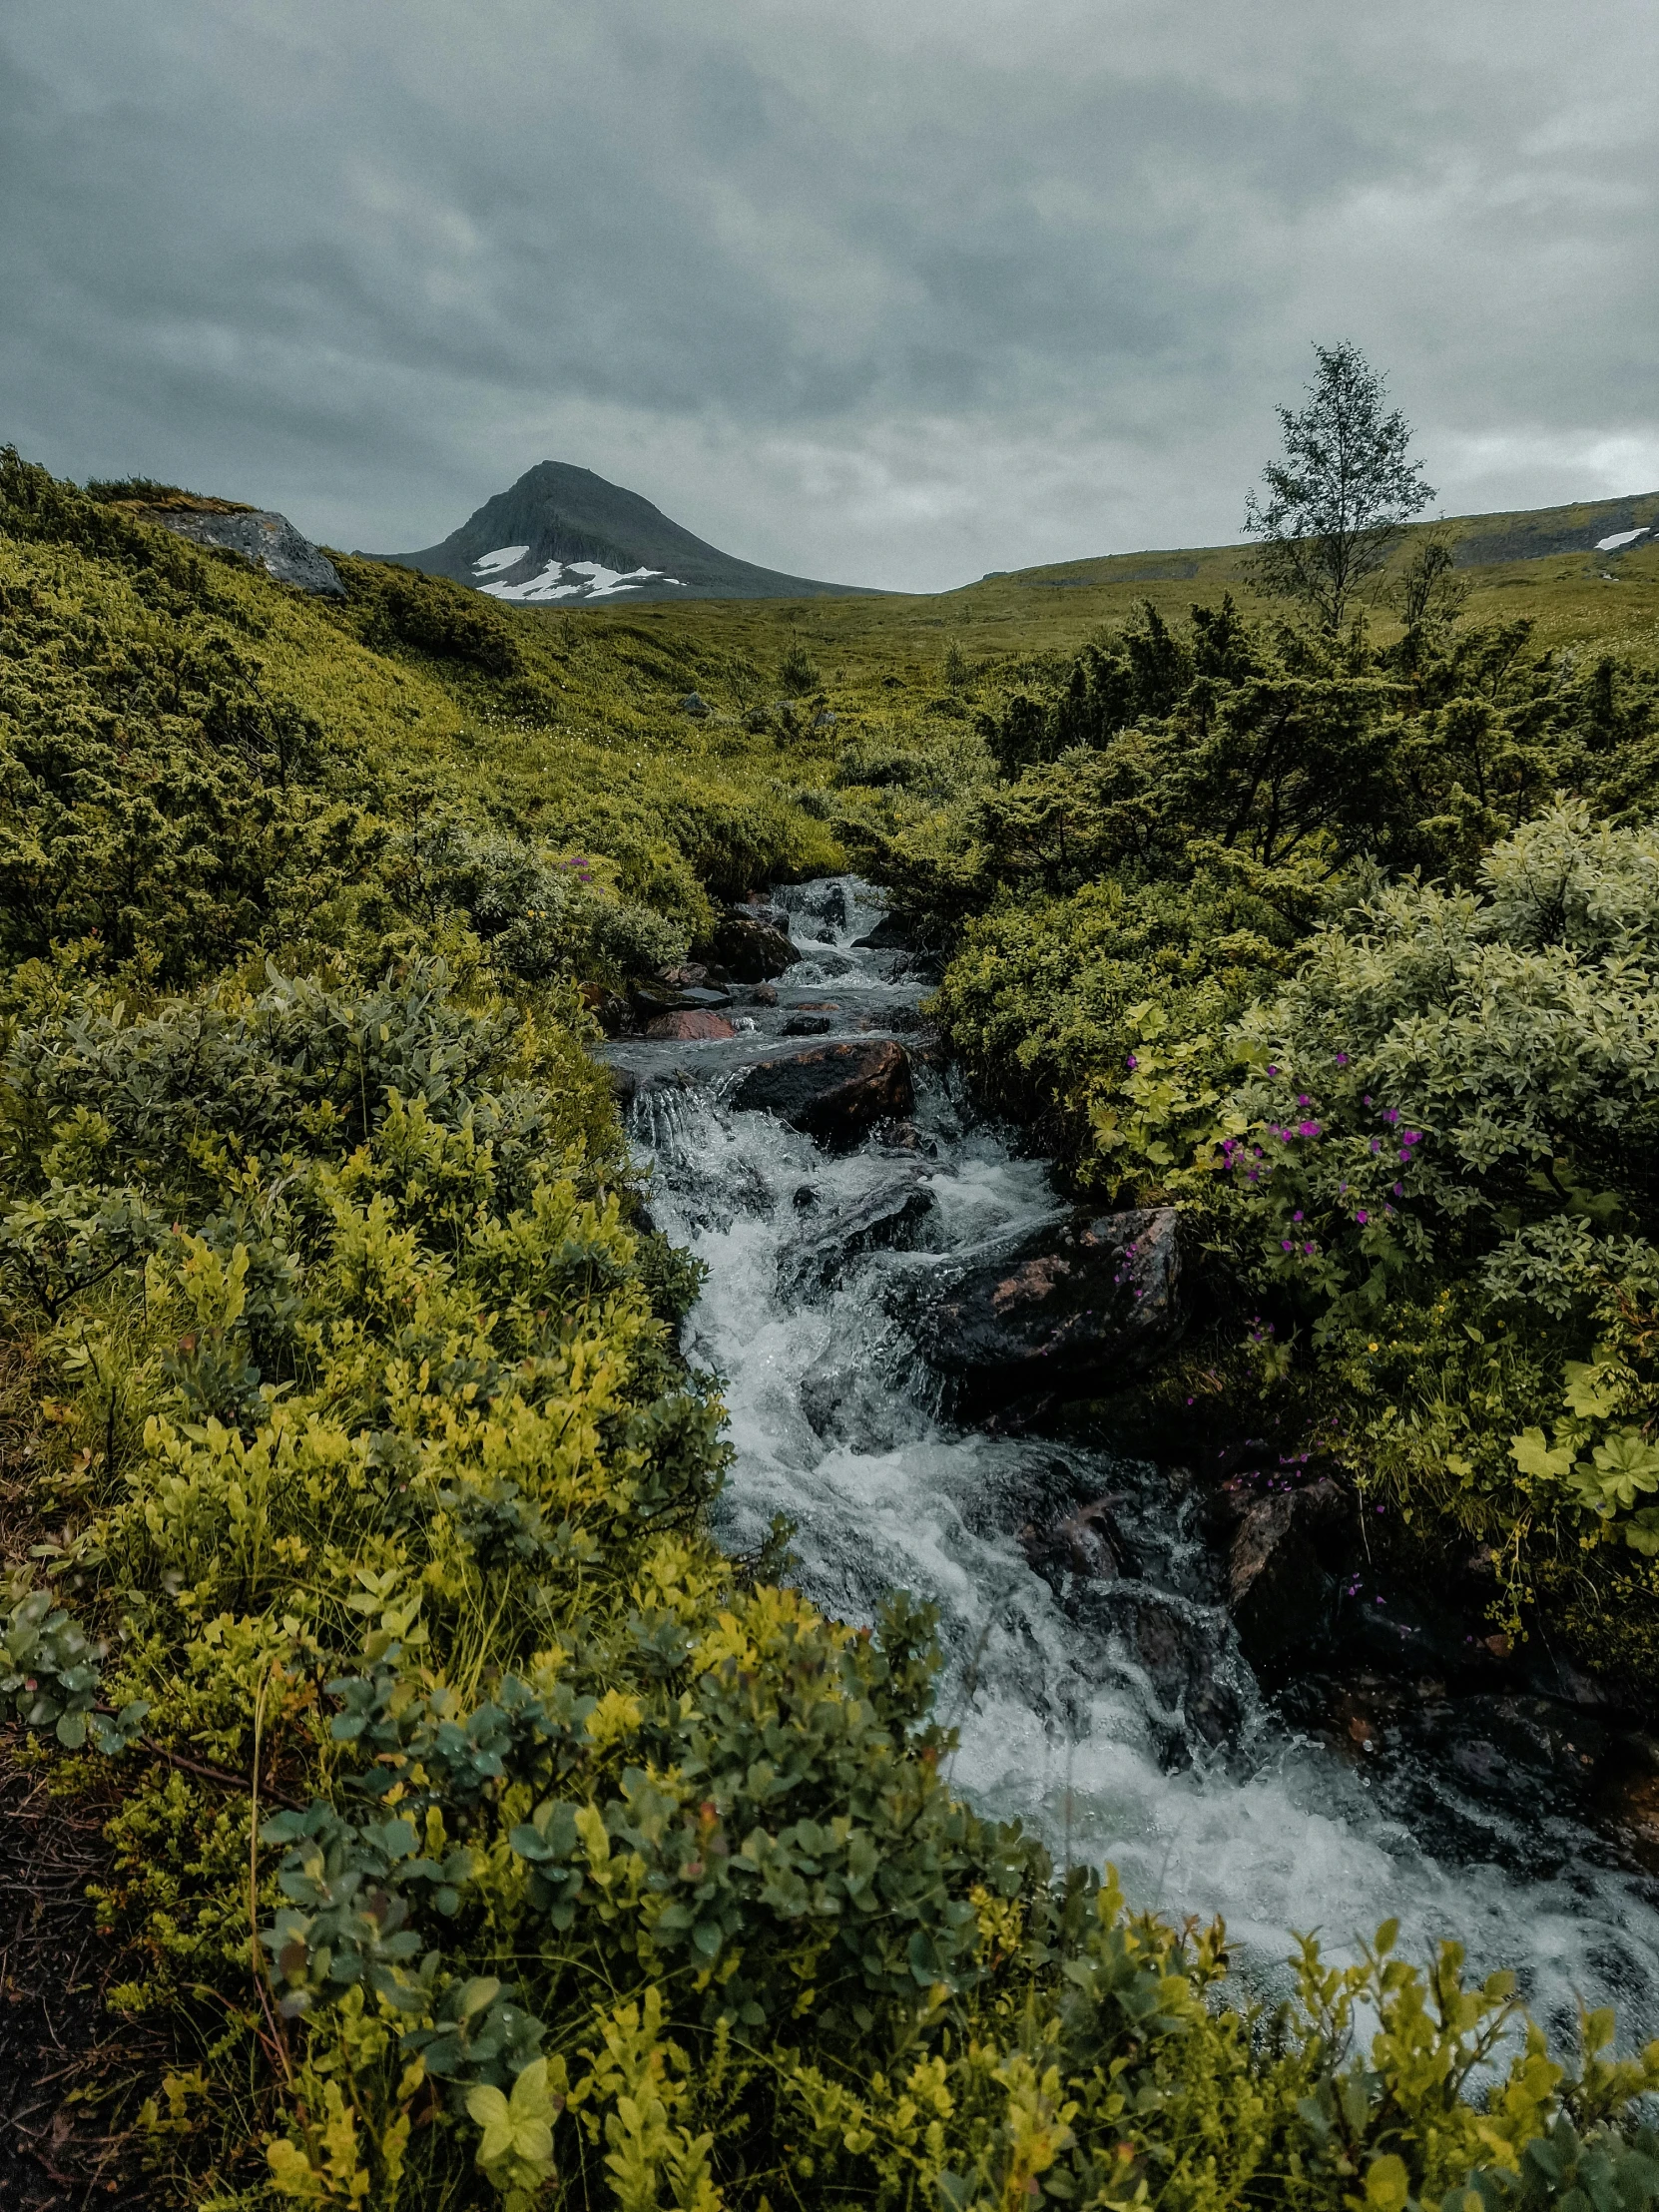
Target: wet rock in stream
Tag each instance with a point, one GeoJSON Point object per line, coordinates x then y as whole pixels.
{"type": "Point", "coordinates": [888, 1218]}
{"type": "Point", "coordinates": [1085, 1541]}
{"type": "Point", "coordinates": [753, 948]}
{"type": "Point", "coordinates": [835, 1094]}
{"type": "Point", "coordinates": [1281, 1593]}
{"type": "Point", "coordinates": [694, 1024]}
{"type": "Point", "coordinates": [1065, 1311]}
{"type": "Point", "coordinates": [892, 933]}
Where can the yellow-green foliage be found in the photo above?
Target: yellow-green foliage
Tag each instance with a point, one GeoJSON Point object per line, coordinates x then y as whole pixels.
{"type": "Point", "coordinates": [484, 1835]}
{"type": "Point", "coordinates": [1306, 936]}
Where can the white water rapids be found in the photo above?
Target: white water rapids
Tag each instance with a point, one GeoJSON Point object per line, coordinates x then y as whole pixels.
{"type": "Point", "coordinates": [1062, 1719]}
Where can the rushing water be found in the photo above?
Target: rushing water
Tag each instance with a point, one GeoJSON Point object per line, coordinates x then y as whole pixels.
{"type": "Point", "coordinates": [1120, 1719]}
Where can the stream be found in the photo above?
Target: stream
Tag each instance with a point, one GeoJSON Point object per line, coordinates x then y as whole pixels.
{"type": "Point", "coordinates": [1119, 1717]}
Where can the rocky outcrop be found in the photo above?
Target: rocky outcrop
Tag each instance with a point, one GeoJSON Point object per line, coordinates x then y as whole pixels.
{"type": "Point", "coordinates": [1072, 1311]}
{"type": "Point", "coordinates": [752, 949]}
{"type": "Point", "coordinates": [269, 541]}
{"type": "Point", "coordinates": [837, 1093]}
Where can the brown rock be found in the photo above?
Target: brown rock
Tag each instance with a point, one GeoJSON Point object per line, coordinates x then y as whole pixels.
{"type": "Point", "coordinates": [1279, 1591]}
{"type": "Point", "coordinates": [751, 951]}
{"type": "Point", "coordinates": [1074, 1309]}
{"type": "Point", "coordinates": [690, 1027]}
{"type": "Point", "coordinates": [836, 1093]}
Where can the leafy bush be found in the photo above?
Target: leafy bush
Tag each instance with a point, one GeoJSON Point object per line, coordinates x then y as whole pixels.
{"type": "Point", "coordinates": [539, 916]}
{"type": "Point", "coordinates": [402, 606]}
{"type": "Point", "coordinates": [1412, 1119]}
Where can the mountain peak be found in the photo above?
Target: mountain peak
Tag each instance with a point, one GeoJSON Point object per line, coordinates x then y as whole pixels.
{"type": "Point", "coordinates": [563, 537]}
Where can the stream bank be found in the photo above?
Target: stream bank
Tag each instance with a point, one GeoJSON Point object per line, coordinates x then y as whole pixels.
{"type": "Point", "coordinates": [1205, 1673]}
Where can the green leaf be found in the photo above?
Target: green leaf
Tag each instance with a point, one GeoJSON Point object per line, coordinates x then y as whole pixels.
{"type": "Point", "coordinates": [1592, 1391]}
{"type": "Point", "coordinates": [1537, 1459]}
{"type": "Point", "coordinates": [489, 2109]}
{"type": "Point", "coordinates": [1388, 2184]}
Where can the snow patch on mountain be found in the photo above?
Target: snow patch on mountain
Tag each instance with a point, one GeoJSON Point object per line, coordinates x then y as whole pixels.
{"type": "Point", "coordinates": [597, 581]}
{"type": "Point", "coordinates": [1620, 537]}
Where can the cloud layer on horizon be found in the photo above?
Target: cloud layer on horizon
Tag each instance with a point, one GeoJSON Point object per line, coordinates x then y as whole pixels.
{"type": "Point", "coordinates": [888, 301]}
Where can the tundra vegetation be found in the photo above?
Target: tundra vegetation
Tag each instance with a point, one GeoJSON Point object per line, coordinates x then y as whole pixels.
{"type": "Point", "coordinates": [475, 1832]}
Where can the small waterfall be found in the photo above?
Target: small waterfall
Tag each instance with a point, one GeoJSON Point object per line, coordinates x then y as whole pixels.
{"type": "Point", "coordinates": [1115, 1713]}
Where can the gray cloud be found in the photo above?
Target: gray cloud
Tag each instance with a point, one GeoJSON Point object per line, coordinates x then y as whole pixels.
{"type": "Point", "coordinates": [895, 296]}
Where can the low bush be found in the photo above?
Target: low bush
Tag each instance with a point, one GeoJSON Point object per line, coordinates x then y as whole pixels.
{"type": "Point", "coordinates": [1196, 941]}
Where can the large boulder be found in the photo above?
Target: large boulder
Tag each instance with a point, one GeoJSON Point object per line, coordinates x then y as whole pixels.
{"type": "Point", "coordinates": [695, 1025]}
{"type": "Point", "coordinates": [1279, 1588]}
{"type": "Point", "coordinates": [749, 949]}
{"type": "Point", "coordinates": [1072, 1311]}
{"type": "Point", "coordinates": [269, 540]}
{"type": "Point", "coordinates": [834, 1093]}
{"type": "Point", "coordinates": [892, 933]}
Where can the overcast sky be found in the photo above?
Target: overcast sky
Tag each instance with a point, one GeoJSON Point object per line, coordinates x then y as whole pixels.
{"type": "Point", "coordinates": [892, 292]}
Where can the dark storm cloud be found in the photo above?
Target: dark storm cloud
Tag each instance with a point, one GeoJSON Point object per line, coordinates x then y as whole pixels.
{"type": "Point", "coordinates": [891, 294]}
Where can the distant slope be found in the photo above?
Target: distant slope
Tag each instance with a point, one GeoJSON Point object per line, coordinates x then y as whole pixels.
{"type": "Point", "coordinates": [1605, 528]}
{"type": "Point", "coordinates": [564, 536]}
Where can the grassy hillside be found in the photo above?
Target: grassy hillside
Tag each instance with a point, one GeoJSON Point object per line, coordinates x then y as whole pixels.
{"type": "Point", "coordinates": [461, 1828]}
{"type": "Point", "coordinates": [1585, 599]}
